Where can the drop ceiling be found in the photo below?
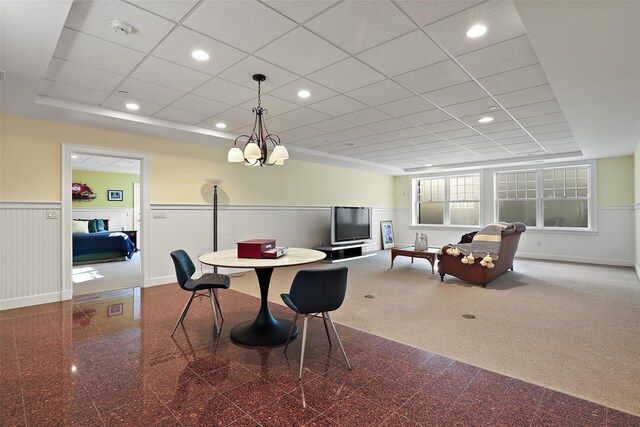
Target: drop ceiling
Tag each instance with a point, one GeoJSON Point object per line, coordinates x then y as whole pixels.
{"type": "Point", "coordinates": [104, 164]}
{"type": "Point", "coordinates": [395, 86]}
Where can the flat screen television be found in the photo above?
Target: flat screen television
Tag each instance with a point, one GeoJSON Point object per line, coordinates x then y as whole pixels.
{"type": "Point", "coordinates": [350, 225]}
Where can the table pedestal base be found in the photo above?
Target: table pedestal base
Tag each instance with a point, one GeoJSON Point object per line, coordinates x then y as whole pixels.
{"type": "Point", "coordinates": [255, 333]}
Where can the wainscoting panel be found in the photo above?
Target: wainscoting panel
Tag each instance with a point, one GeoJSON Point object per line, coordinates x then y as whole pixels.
{"type": "Point", "coordinates": [637, 238]}
{"type": "Point", "coordinates": [29, 254]}
{"type": "Point", "coordinates": [613, 243]}
{"type": "Point", "coordinates": [118, 218]}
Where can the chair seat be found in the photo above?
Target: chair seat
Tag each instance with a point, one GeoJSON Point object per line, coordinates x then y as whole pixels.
{"type": "Point", "coordinates": [209, 281]}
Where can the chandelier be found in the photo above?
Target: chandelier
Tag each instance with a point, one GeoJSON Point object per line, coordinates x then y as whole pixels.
{"type": "Point", "coordinates": [260, 148]}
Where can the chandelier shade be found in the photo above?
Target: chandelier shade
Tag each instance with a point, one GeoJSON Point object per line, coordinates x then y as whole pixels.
{"type": "Point", "coordinates": [260, 148]}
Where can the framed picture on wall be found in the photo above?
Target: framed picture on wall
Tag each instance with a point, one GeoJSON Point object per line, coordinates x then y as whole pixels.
{"type": "Point", "coordinates": [388, 239]}
{"type": "Point", "coordinates": [114, 195]}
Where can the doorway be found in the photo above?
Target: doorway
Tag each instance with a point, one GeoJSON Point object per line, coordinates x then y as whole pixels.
{"type": "Point", "coordinates": [121, 185]}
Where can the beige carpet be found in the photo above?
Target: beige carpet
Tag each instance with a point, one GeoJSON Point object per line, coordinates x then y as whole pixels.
{"type": "Point", "coordinates": [574, 328]}
{"type": "Point", "coordinates": [106, 276]}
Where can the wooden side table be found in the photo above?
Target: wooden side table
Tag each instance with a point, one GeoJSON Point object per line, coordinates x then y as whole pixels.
{"type": "Point", "coordinates": [429, 254]}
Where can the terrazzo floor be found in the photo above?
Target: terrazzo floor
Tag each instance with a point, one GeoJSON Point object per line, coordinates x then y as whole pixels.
{"type": "Point", "coordinates": [107, 359]}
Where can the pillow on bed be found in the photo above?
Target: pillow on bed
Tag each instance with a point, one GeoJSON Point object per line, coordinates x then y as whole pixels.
{"type": "Point", "coordinates": [80, 226]}
{"type": "Point", "coordinates": [92, 226]}
{"type": "Point", "coordinates": [99, 225]}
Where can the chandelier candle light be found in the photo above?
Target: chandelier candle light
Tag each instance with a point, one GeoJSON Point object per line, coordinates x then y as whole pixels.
{"type": "Point", "coordinates": [257, 145]}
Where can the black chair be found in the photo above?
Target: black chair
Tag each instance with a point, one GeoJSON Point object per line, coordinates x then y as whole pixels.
{"type": "Point", "coordinates": [207, 282]}
{"type": "Point", "coordinates": [316, 292]}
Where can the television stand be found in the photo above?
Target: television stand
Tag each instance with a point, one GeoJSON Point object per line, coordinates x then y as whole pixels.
{"type": "Point", "coordinates": [342, 253]}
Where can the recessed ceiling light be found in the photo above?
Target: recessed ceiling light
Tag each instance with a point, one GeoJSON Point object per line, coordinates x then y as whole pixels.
{"type": "Point", "coordinates": [123, 92]}
{"type": "Point", "coordinates": [73, 156]}
{"type": "Point", "coordinates": [304, 94]}
{"type": "Point", "coordinates": [428, 165]}
{"type": "Point", "coordinates": [486, 119]}
{"type": "Point", "coordinates": [476, 31]}
{"type": "Point", "coordinates": [493, 107]}
{"type": "Point", "coordinates": [200, 55]}
{"type": "Point", "coordinates": [349, 144]}
{"type": "Point", "coordinates": [132, 106]}
{"type": "Point", "coordinates": [221, 125]}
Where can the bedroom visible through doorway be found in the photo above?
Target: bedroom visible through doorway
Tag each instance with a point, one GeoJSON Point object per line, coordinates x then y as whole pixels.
{"type": "Point", "coordinates": [105, 216]}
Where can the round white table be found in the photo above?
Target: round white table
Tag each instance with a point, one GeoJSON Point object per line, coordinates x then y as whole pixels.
{"type": "Point", "coordinates": [265, 330]}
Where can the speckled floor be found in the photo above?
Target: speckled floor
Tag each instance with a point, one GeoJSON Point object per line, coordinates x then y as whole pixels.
{"type": "Point", "coordinates": [108, 359]}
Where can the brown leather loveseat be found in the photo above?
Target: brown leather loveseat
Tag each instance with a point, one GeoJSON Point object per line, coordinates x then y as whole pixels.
{"type": "Point", "coordinates": [476, 273]}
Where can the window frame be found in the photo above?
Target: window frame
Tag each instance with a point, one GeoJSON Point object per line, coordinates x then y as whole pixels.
{"type": "Point", "coordinates": [540, 199]}
{"type": "Point", "coordinates": [415, 203]}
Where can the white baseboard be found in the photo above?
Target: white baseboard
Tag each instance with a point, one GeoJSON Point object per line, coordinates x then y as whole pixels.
{"type": "Point", "coordinates": [8, 304]}
{"type": "Point", "coordinates": [157, 281]}
{"type": "Point", "coordinates": [637, 267]}
{"type": "Point", "coordinates": [582, 260]}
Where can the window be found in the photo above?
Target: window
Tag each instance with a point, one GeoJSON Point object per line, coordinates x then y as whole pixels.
{"type": "Point", "coordinates": [448, 200]}
{"type": "Point", "coordinates": [550, 197]}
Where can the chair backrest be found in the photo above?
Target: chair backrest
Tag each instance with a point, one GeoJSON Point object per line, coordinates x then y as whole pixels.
{"type": "Point", "coordinates": [314, 291]}
{"type": "Point", "coordinates": [184, 266]}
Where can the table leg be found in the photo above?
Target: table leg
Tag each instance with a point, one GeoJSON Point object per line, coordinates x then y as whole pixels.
{"type": "Point", "coordinates": [432, 261]}
{"type": "Point", "coordinates": [264, 330]}
{"type": "Point", "coordinates": [393, 256]}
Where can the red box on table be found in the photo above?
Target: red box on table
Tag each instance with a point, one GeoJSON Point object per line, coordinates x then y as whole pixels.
{"type": "Point", "coordinates": [253, 248]}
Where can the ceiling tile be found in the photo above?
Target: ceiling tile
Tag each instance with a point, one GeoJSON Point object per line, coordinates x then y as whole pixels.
{"type": "Point", "coordinates": [297, 10]}
{"type": "Point", "coordinates": [444, 126]}
{"type": "Point", "coordinates": [402, 107]}
{"type": "Point", "coordinates": [499, 16]}
{"type": "Point", "coordinates": [501, 57]}
{"type": "Point", "coordinates": [346, 75]}
{"type": "Point", "coordinates": [457, 133]}
{"type": "Point", "coordinates": [433, 77]}
{"type": "Point", "coordinates": [388, 125]}
{"type": "Point", "coordinates": [364, 117]}
{"type": "Point", "coordinates": [237, 115]}
{"type": "Point", "coordinates": [277, 125]}
{"type": "Point", "coordinates": [507, 134]}
{"type": "Point", "coordinates": [457, 94]}
{"type": "Point", "coordinates": [473, 141]}
{"type": "Point", "coordinates": [553, 135]}
{"type": "Point", "coordinates": [543, 119]}
{"type": "Point", "coordinates": [93, 17]}
{"type": "Point", "coordinates": [178, 46]}
{"type": "Point", "coordinates": [242, 73]}
{"type": "Point", "coordinates": [356, 26]}
{"type": "Point", "coordinates": [338, 105]}
{"type": "Point", "coordinates": [411, 132]}
{"type": "Point", "coordinates": [289, 92]}
{"type": "Point", "coordinates": [505, 142]}
{"type": "Point", "coordinates": [499, 116]}
{"type": "Point", "coordinates": [165, 73]}
{"type": "Point", "coordinates": [274, 106]}
{"type": "Point", "coordinates": [301, 133]}
{"type": "Point", "coordinates": [406, 53]}
{"type": "Point", "coordinates": [304, 116]}
{"type": "Point", "coordinates": [536, 109]}
{"type": "Point", "coordinates": [301, 51]}
{"type": "Point", "coordinates": [226, 91]}
{"type": "Point", "coordinates": [202, 106]}
{"type": "Point", "coordinates": [332, 125]}
{"type": "Point", "coordinates": [426, 12]}
{"type": "Point", "coordinates": [81, 75]}
{"type": "Point", "coordinates": [380, 93]}
{"type": "Point", "coordinates": [173, 10]}
{"type": "Point", "coordinates": [348, 134]}
{"type": "Point", "coordinates": [242, 24]}
{"type": "Point", "coordinates": [116, 102]}
{"type": "Point", "coordinates": [144, 91]}
{"type": "Point", "coordinates": [552, 127]}
{"type": "Point", "coordinates": [478, 106]}
{"type": "Point", "coordinates": [495, 127]}
{"type": "Point", "coordinates": [526, 96]}
{"type": "Point", "coordinates": [72, 93]}
{"type": "Point", "coordinates": [427, 117]}
{"type": "Point", "coordinates": [180, 116]}
{"type": "Point", "coordinates": [89, 50]}
{"type": "Point", "coordinates": [520, 78]}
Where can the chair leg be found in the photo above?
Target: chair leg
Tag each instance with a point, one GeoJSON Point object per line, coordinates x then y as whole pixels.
{"type": "Point", "coordinates": [339, 342]}
{"type": "Point", "coordinates": [304, 342]}
{"type": "Point", "coordinates": [326, 327]}
{"type": "Point", "coordinates": [215, 295]}
{"type": "Point", "coordinates": [184, 312]}
{"type": "Point", "coordinates": [293, 325]}
{"type": "Point", "coordinates": [215, 313]}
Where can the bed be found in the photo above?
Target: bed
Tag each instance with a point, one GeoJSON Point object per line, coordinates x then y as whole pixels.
{"type": "Point", "coordinates": [95, 243]}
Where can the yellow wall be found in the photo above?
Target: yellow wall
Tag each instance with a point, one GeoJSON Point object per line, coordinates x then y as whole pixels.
{"type": "Point", "coordinates": [636, 168]}
{"type": "Point", "coordinates": [100, 183]}
{"type": "Point", "coordinates": [614, 177]}
{"type": "Point", "coordinates": [30, 170]}
{"type": "Point", "coordinates": [402, 193]}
